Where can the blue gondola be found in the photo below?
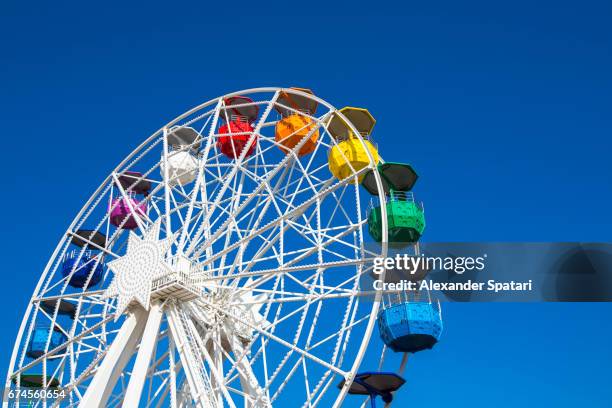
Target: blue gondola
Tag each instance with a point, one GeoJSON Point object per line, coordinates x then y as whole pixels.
{"type": "Point", "coordinates": [83, 267]}
{"type": "Point", "coordinates": [38, 341]}
{"type": "Point", "coordinates": [410, 326]}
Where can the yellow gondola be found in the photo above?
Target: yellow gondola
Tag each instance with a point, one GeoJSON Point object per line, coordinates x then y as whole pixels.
{"type": "Point", "coordinates": [350, 154]}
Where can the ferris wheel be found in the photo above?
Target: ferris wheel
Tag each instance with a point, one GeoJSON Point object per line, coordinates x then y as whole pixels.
{"type": "Point", "coordinates": [218, 265]}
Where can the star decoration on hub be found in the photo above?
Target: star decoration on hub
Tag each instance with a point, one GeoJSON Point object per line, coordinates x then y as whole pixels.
{"type": "Point", "coordinates": [134, 272]}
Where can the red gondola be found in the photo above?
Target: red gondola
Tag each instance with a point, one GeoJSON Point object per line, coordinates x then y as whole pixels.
{"type": "Point", "coordinates": [237, 126]}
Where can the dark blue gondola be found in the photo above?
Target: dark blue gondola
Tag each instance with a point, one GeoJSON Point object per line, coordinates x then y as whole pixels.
{"type": "Point", "coordinates": [84, 266]}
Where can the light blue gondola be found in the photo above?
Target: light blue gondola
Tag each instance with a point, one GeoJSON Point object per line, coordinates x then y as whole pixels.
{"type": "Point", "coordinates": [411, 324]}
{"type": "Point", "coordinates": [38, 341]}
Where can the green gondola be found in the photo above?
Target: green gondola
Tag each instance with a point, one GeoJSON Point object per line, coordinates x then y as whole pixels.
{"type": "Point", "coordinates": [405, 219]}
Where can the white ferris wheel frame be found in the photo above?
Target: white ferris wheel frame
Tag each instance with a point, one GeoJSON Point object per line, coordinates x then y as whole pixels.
{"type": "Point", "coordinates": [144, 326]}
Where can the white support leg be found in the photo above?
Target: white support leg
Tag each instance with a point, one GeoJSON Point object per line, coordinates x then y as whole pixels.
{"type": "Point", "coordinates": [248, 381]}
{"type": "Point", "coordinates": [143, 359]}
{"type": "Point", "coordinates": [198, 387]}
{"type": "Point", "coordinates": [171, 367]}
{"type": "Point", "coordinates": [117, 357]}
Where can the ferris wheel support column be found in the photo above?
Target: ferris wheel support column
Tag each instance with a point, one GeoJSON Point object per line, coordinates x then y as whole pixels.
{"type": "Point", "coordinates": [117, 357]}
{"type": "Point", "coordinates": [198, 386]}
{"type": "Point", "coordinates": [143, 359]}
{"type": "Point", "coordinates": [248, 381]}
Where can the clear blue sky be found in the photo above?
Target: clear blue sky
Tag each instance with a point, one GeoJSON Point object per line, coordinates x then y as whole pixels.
{"type": "Point", "coordinates": [505, 111]}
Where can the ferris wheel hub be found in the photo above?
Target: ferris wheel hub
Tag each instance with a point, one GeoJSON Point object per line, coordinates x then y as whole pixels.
{"type": "Point", "coordinates": [178, 284]}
